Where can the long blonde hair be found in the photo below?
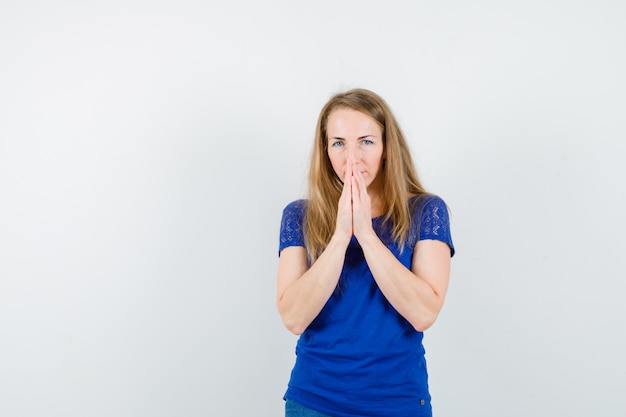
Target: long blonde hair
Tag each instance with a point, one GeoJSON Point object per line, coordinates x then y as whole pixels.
{"type": "Point", "coordinates": [399, 177]}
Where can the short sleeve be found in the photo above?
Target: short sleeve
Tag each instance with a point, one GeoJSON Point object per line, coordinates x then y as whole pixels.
{"type": "Point", "coordinates": [291, 233]}
{"type": "Point", "coordinates": [434, 221]}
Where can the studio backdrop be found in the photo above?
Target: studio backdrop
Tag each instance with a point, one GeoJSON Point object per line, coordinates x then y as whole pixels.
{"type": "Point", "coordinates": [147, 150]}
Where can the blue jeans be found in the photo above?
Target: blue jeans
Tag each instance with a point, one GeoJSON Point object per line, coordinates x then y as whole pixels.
{"type": "Point", "coordinates": [296, 410]}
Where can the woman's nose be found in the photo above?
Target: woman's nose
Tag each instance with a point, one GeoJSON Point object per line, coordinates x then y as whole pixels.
{"type": "Point", "coordinates": [352, 153]}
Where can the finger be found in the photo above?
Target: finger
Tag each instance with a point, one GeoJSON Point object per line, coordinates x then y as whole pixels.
{"type": "Point", "coordinates": [356, 195]}
{"type": "Point", "coordinates": [348, 173]}
{"type": "Point", "coordinates": [360, 208]}
{"type": "Point", "coordinates": [354, 182]}
{"type": "Point", "coordinates": [361, 183]}
{"type": "Point", "coordinates": [345, 199]}
{"type": "Point", "coordinates": [344, 209]}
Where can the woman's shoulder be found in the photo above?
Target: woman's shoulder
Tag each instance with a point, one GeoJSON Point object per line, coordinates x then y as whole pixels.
{"type": "Point", "coordinates": [291, 225]}
{"type": "Point", "coordinates": [430, 214]}
{"type": "Point", "coordinates": [296, 208]}
{"type": "Point", "coordinates": [427, 203]}
{"type": "Point", "coordinates": [432, 219]}
{"type": "Point", "coordinates": [297, 205]}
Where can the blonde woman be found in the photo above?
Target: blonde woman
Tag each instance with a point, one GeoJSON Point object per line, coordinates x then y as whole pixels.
{"type": "Point", "coordinates": [364, 265]}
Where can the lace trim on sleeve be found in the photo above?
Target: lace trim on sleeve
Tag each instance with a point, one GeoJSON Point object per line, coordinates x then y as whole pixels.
{"type": "Point", "coordinates": [434, 220]}
{"type": "Point", "coordinates": [291, 233]}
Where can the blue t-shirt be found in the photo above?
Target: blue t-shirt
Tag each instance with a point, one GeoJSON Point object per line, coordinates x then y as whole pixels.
{"type": "Point", "coordinates": [359, 357]}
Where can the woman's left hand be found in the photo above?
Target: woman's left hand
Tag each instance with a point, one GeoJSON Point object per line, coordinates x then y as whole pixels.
{"type": "Point", "coordinates": [361, 205]}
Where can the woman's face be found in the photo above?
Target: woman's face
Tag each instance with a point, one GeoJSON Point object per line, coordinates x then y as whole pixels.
{"type": "Point", "coordinates": [354, 136]}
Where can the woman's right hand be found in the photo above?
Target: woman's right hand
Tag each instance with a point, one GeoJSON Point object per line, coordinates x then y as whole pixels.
{"type": "Point", "coordinates": [344, 226]}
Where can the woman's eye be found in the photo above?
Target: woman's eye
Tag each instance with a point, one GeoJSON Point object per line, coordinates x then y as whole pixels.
{"type": "Point", "coordinates": [337, 144]}
{"type": "Point", "coordinates": [367, 142]}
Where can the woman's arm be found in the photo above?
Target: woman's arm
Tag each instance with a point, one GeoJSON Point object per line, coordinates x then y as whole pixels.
{"type": "Point", "coordinates": [302, 292]}
{"type": "Point", "coordinates": [417, 294]}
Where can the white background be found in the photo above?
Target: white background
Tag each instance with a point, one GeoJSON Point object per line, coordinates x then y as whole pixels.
{"type": "Point", "coordinates": [147, 149]}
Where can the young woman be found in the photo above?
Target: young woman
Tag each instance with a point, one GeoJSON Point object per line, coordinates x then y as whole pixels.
{"type": "Point", "coordinates": [363, 268]}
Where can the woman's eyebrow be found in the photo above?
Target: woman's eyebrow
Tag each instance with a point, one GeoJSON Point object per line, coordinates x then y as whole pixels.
{"type": "Point", "coordinates": [360, 137]}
